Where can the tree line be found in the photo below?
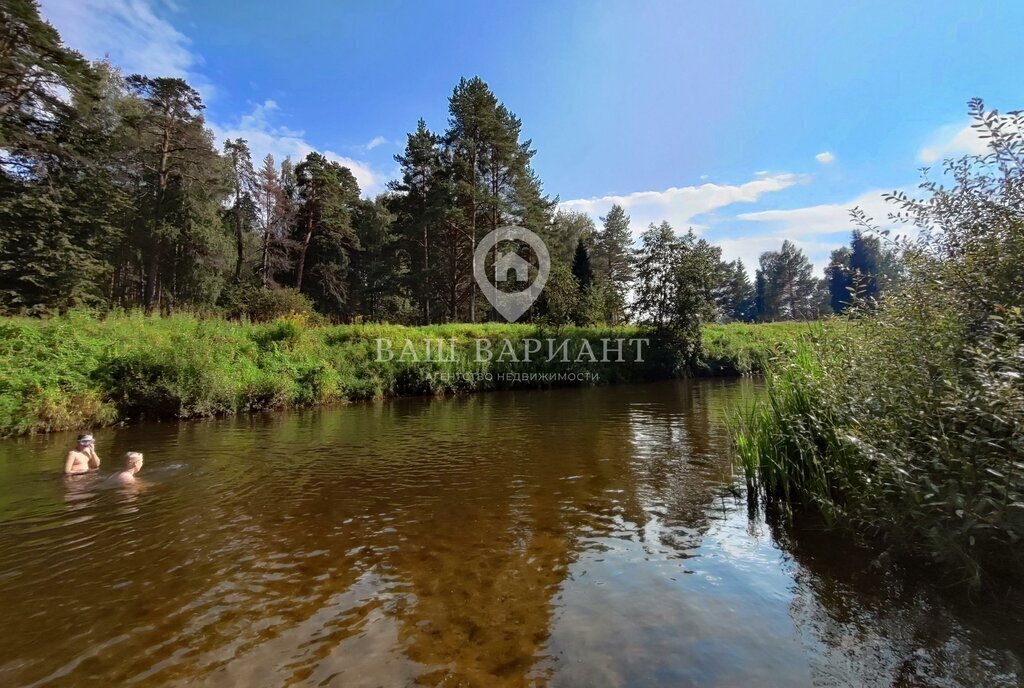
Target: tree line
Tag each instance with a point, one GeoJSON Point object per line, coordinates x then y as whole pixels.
{"type": "Point", "coordinates": [114, 194]}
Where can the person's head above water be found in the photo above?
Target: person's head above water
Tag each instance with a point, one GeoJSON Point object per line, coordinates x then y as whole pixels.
{"type": "Point", "coordinates": [83, 457]}
{"type": "Point", "coordinates": [133, 461]}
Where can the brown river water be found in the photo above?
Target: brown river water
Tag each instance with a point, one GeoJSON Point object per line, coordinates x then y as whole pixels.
{"type": "Point", "coordinates": [574, 537]}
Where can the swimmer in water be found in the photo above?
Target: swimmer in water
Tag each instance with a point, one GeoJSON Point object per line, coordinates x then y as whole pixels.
{"type": "Point", "coordinates": [83, 458]}
{"type": "Point", "coordinates": [132, 465]}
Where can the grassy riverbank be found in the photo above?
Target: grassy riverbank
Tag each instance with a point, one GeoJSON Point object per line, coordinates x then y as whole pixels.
{"type": "Point", "coordinates": [904, 429]}
{"type": "Point", "coordinates": [78, 371]}
{"type": "Point", "coordinates": [905, 424]}
{"type": "Point", "coordinates": [742, 348]}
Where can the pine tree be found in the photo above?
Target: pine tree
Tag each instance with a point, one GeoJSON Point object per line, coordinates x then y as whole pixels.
{"type": "Point", "coordinates": [36, 71]}
{"type": "Point", "coordinates": [180, 176]}
{"type": "Point", "coordinates": [737, 298]}
{"type": "Point", "coordinates": [471, 123]}
{"type": "Point", "coordinates": [61, 211]}
{"type": "Point", "coordinates": [761, 305]}
{"type": "Point", "coordinates": [822, 299]}
{"type": "Point", "coordinates": [698, 276]}
{"type": "Point", "coordinates": [615, 259]}
{"type": "Point", "coordinates": [787, 288]}
{"type": "Point", "coordinates": [581, 268]}
{"type": "Point", "coordinates": [243, 188]}
{"type": "Point", "coordinates": [839, 283]}
{"type": "Point", "coordinates": [420, 206]}
{"type": "Point", "coordinates": [379, 267]}
{"type": "Point", "coordinates": [272, 204]}
{"type": "Point", "coordinates": [492, 180]}
{"type": "Point", "coordinates": [656, 284]}
{"type": "Point", "coordinates": [861, 272]}
{"type": "Point", "coordinates": [588, 294]}
{"type": "Point", "coordinates": [324, 234]}
{"type": "Point", "coordinates": [865, 260]}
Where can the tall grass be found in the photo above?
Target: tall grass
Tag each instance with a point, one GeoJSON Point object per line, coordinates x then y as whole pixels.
{"type": "Point", "coordinates": [77, 370]}
{"type": "Point", "coordinates": [912, 441]}
{"type": "Point", "coordinates": [789, 445]}
{"type": "Point", "coordinates": [743, 348]}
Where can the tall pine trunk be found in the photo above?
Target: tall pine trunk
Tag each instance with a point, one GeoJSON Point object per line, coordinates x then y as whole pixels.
{"type": "Point", "coordinates": [426, 274]}
{"type": "Point", "coordinates": [265, 263]}
{"type": "Point", "coordinates": [302, 253]}
{"type": "Point", "coordinates": [472, 245]}
{"type": "Point", "coordinates": [240, 243]}
{"type": "Point", "coordinates": [153, 261]}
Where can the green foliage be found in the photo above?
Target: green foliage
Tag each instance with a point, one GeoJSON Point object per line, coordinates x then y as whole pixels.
{"type": "Point", "coordinates": [33, 110]}
{"type": "Point", "coordinates": [116, 197]}
{"type": "Point", "coordinates": [262, 305]}
{"type": "Point", "coordinates": [559, 303]}
{"type": "Point", "coordinates": [324, 233]}
{"type": "Point", "coordinates": [581, 269]}
{"type": "Point", "coordinates": [741, 348]}
{"type": "Point", "coordinates": [76, 371]}
{"type": "Point", "coordinates": [735, 296]}
{"type": "Point", "coordinates": [379, 269]}
{"type": "Point", "coordinates": [860, 274]}
{"type": "Point", "coordinates": [905, 423]}
{"type": "Point", "coordinates": [614, 262]}
{"type": "Point", "coordinates": [786, 286]}
{"type": "Point", "coordinates": [678, 281]}
{"type": "Point", "coordinates": [46, 383]}
{"type": "Point", "coordinates": [457, 187]}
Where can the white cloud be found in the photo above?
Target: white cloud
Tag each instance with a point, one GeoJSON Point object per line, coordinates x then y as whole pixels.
{"type": "Point", "coordinates": [825, 218]}
{"type": "Point", "coordinates": [680, 205]}
{"type": "Point", "coordinates": [376, 141]}
{"type": "Point", "coordinates": [817, 229]}
{"type": "Point", "coordinates": [749, 250]}
{"type": "Point", "coordinates": [825, 157]}
{"type": "Point", "coordinates": [266, 137]}
{"type": "Point", "coordinates": [952, 141]}
{"type": "Point", "coordinates": [131, 34]}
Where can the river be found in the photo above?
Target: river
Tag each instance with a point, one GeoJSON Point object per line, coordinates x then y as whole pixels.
{"type": "Point", "coordinates": [573, 537]}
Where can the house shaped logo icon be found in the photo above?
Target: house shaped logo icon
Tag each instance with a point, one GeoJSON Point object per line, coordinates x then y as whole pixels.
{"type": "Point", "coordinates": [507, 264]}
{"type": "Point", "coordinates": [511, 262]}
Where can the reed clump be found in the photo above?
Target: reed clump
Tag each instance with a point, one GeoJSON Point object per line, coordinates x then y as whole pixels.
{"type": "Point", "coordinates": [906, 422]}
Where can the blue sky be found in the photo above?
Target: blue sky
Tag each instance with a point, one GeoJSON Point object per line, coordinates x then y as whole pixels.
{"type": "Point", "coordinates": [750, 121]}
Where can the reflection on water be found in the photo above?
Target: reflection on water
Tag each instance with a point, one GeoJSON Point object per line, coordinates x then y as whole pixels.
{"type": "Point", "coordinates": [586, 537]}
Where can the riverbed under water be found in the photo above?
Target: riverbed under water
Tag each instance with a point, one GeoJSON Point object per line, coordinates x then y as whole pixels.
{"type": "Point", "coordinates": [574, 537]}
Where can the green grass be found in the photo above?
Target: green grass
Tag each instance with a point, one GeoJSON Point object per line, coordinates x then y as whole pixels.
{"type": "Point", "coordinates": [895, 437]}
{"type": "Point", "coordinates": [741, 348]}
{"type": "Point", "coordinates": [791, 443]}
{"type": "Point", "coordinates": [77, 371]}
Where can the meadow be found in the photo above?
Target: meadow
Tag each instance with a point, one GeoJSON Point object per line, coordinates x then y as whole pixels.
{"type": "Point", "coordinates": [77, 370]}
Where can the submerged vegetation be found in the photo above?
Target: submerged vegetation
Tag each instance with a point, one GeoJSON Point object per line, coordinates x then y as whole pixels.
{"type": "Point", "coordinates": [906, 423]}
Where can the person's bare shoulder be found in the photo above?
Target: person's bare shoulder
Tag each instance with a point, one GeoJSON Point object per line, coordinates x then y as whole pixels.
{"type": "Point", "coordinates": [70, 462]}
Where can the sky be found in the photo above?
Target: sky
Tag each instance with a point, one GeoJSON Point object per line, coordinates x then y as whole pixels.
{"type": "Point", "coordinates": [751, 122]}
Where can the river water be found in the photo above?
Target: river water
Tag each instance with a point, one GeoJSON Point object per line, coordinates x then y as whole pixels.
{"type": "Point", "coordinates": [575, 537]}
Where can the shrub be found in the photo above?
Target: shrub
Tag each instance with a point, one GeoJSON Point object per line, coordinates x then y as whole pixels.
{"type": "Point", "coordinates": [260, 304]}
{"type": "Point", "coordinates": [195, 373]}
{"type": "Point", "coordinates": [906, 423]}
